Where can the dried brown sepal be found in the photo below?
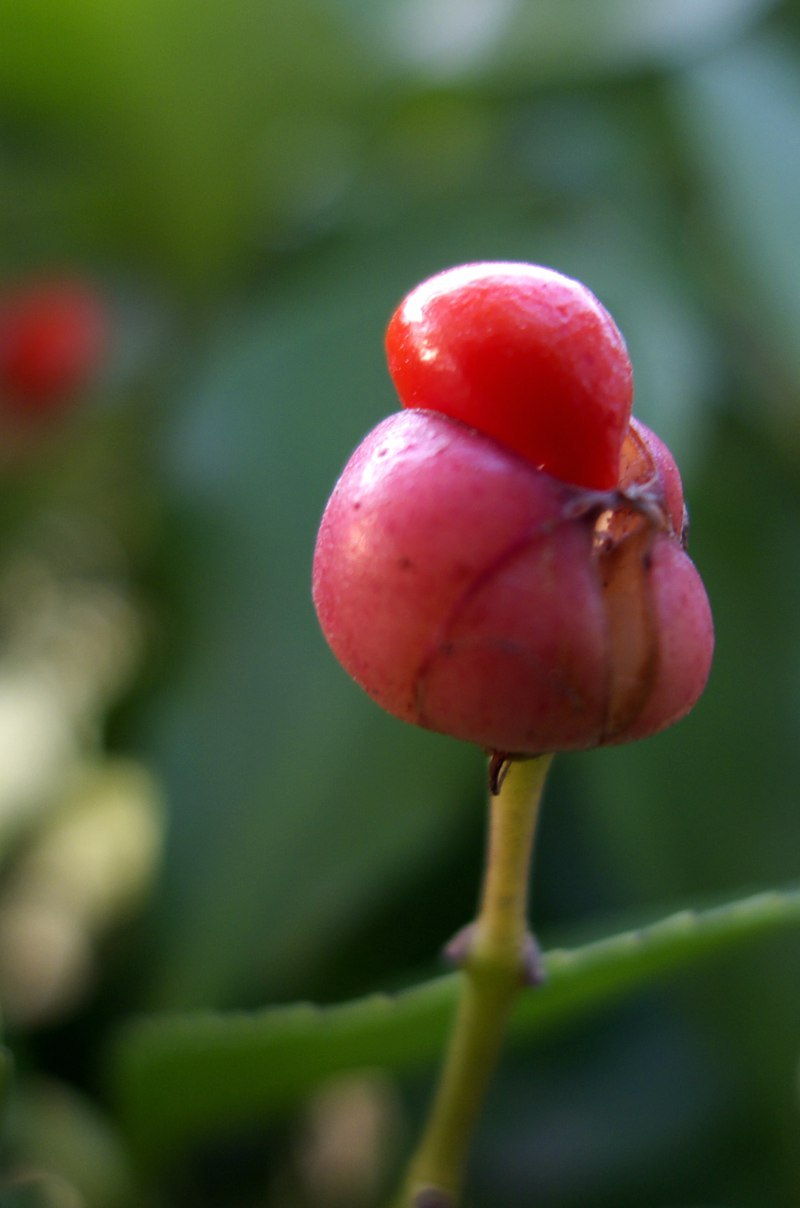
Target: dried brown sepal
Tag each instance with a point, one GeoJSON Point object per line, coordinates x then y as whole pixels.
{"type": "Point", "coordinates": [623, 565]}
{"type": "Point", "coordinates": [622, 544]}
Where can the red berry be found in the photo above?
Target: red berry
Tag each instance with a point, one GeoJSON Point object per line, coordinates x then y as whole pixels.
{"type": "Point", "coordinates": [52, 338]}
{"type": "Point", "coordinates": [525, 355]}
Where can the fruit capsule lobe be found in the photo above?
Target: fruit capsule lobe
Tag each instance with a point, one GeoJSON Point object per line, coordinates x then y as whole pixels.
{"type": "Point", "coordinates": [470, 593]}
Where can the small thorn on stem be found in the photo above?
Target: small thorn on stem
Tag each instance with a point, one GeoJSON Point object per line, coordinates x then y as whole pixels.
{"type": "Point", "coordinates": [499, 764]}
{"type": "Point", "coordinates": [533, 971]}
{"type": "Point", "coordinates": [456, 950]}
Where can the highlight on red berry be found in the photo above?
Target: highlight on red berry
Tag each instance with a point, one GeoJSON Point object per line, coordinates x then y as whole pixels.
{"type": "Point", "coordinates": [53, 336]}
{"type": "Point", "coordinates": [519, 600]}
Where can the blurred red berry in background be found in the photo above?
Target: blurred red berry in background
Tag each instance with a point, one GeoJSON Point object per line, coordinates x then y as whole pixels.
{"type": "Point", "coordinates": [53, 338]}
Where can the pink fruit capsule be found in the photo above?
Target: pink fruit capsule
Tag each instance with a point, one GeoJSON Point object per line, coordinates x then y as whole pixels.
{"type": "Point", "coordinates": [471, 594]}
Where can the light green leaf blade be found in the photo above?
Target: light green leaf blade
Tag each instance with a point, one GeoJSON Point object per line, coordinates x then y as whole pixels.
{"type": "Point", "coordinates": [180, 1076]}
{"type": "Point", "coordinates": [740, 117]}
{"type": "Point", "coordinates": [555, 39]}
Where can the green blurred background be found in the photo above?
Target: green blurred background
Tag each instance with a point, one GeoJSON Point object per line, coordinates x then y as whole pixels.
{"type": "Point", "coordinates": [197, 808]}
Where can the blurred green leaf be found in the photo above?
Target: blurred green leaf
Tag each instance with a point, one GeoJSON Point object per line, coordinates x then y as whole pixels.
{"type": "Point", "coordinates": [192, 121]}
{"type": "Point", "coordinates": [64, 1138]}
{"type": "Point", "coordinates": [740, 115]}
{"type": "Point", "coordinates": [177, 1077]}
{"type": "Point", "coordinates": [515, 41]}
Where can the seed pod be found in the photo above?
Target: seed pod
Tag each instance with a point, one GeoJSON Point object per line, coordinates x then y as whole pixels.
{"type": "Point", "coordinates": [474, 595]}
{"type": "Point", "coordinates": [505, 560]}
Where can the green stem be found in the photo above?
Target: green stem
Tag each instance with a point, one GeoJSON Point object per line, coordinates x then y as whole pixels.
{"type": "Point", "coordinates": [494, 971]}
